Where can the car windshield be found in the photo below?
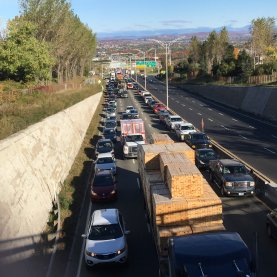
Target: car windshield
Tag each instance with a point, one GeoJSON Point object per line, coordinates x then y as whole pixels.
{"type": "Point", "coordinates": [175, 119]}
{"type": "Point", "coordinates": [207, 155]}
{"type": "Point", "coordinates": [103, 181]}
{"type": "Point", "coordinates": [105, 160]}
{"type": "Point", "coordinates": [199, 137]}
{"type": "Point", "coordinates": [104, 144]}
{"type": "Point", "coordinates": [133, 111]}
{"type": "Point", "coordinates": [187, 128]}
{"type": "Point", "coordinates": [239, 169]}
{"type": "Point", "coordinates": [105, 232]}
{"type": "Point", "coordinates": [134, 138]}
{"type": "Point", "coordinates": [110, 124]}
{"type": "Point", "coordinates": [108, 131]}
{"type": "Point", "coordinates": [110, 110]}
{"type": "Point", "coordinates": [112, 118]}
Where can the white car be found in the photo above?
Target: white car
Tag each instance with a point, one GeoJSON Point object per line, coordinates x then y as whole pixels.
{"type": "Point", "coordinates": [147, 99]}
{"type": "Point", "coordinates": [112, 103]}
{"type": "Point", "coordinates": [106, 238]}
{"type": "Point", "coordinates": [105, 161]}
{"type": "Point", "coordinates": [184, 129]}
{"type": "Point", "coordinates": [173, 120]}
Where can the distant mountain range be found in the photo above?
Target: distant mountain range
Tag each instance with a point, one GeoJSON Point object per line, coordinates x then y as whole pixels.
{"type": "Point", "coordinates": [162, 32]}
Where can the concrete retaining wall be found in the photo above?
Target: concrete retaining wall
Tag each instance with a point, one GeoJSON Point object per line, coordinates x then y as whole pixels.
{"type": "Point", "coordinates": [260, 101]}
{"type": "Point", "coordinates": [34, 162]}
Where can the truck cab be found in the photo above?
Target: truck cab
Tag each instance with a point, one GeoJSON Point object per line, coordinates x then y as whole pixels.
{"type": "Point", "coordinates": [232, 177]}
{"type": "Point", "coordinates": [214, 254]}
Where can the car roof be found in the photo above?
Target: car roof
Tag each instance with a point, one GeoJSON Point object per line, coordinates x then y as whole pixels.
{"type": "Point", "coordinates": [105, 217]}
{"type": "Point", "coordinates": [105, 155]}
{"type": "Point", "coordinates": [175, 116]}
{"type": "Point", "coordinates": [186, 124]}
{"type": "Point", "coordinates": [229, 162]}
{"type": "Point", "coordinates": [204, 150]}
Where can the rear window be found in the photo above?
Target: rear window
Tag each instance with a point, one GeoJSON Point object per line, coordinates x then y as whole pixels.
{"type": "Point", "coordinates": [105, 160]}
{"type": "Point", "coordinates": [103, 181]}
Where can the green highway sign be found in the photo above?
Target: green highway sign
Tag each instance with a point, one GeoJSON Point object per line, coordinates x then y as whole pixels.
{"type": "Point", "coordinates": [141, 64]}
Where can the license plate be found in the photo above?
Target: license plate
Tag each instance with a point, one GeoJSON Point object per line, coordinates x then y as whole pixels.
{"type": "Point", "coordinates": [241, 193]}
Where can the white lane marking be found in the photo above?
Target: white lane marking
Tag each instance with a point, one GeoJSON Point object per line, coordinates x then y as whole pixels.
{"type": "Point", "coordinates": [243, 137]}
{"type": "Point", "coordinates": [274, 136]}
{"type": "Point", "coordinates": [201, 105]}
{"type": "Point", "coordinates": [149, 125]}
{"type": "Point", "coordinates": [252, 127]}
{"type": "Point", "coordinates": [183, 105]}
{"type": "Point", "coordinates": [221, 113]}
{"type": "Point", "coordinates": [234, 119]}
{"type": "Point", "coordinates": [210, 119]}
{"type": "Point", "coordinates": [270, 150]}
{"type": "Point", "coordinates": [199, 113]}
{"type": "Point", "coordinates": [84, 241]}
{"type": "Point", "coordinates": [133, 161]}
{"type": "Point", "coordinates": [190, 109]}
{"type": "Point", "coordinates": [210, 109]}
{"type": "Point", "coordinates": [223, 126]}
{"type": "Point", "coordinates": [193, 101]}
{"type": "Point", "coordinates": [177, 101]}
{"type": "Point", "coordinates": [138, 183]}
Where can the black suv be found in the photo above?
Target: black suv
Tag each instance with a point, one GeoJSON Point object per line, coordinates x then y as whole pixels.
{"type": "Point", "coordinates": [232, 177]}
{"type": "Point", "coordinates": [198, 140]}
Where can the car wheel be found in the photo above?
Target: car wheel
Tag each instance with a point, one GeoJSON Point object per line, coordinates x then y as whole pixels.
{"type": "Point", "coordinates": [269, 231]}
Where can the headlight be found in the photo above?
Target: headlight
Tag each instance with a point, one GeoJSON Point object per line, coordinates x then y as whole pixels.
{"type": "Point", "coordinates": [210, 145]}
{"type": "Point", "coordinates": [113, 192]}
{"type": "Point", "coordinates": [201, 162]}
{"type": "Point", "coordinates": [193, 146]}
{"type": "Point", "coordinates": [228, 184]}
{"type": "Point", "coordinates": [252, 184]}
{"type": "Point", "coordinates": [121, 251]}
{"type": "Point", "coordinates": [182, 136]}
{"type": "Point", "coordinates": [93, 193]}
{"type": "Point", "coordinates": [90, 253]}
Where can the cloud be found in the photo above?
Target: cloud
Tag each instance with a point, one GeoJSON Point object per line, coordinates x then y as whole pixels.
{"type": "Point", "coordinates": [175, 23]}
{"type": "Point", "coordinates": [232, 21]}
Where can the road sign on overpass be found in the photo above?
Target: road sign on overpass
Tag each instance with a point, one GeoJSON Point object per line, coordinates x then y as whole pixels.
{"type": "Point", "coordinates": [142, 64]}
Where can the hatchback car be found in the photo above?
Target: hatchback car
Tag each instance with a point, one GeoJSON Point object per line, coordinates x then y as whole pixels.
{"type": "Point", "coordinates": [103, 186]}
{"type": "Point", "coordinates": [271, 224]}
{"type": "Point", "coordinates": [106, 238]}
{"type": "Point", "coordinates": [104, 146]}
{"type": "Point", "coordinates": [105, 161]}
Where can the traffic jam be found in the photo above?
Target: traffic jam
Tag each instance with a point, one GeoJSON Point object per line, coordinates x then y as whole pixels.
{"type": "Point", "coordinates": [124, 133]}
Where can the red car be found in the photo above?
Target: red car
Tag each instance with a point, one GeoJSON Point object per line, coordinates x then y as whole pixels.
{"type": "Point", "coordinates": [103, 186]}
{"type": "Point", "coordinates": [159, 107]}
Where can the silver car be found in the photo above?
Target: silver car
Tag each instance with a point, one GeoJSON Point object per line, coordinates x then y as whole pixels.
{"type": "Point", "coordinates": [105, 161]}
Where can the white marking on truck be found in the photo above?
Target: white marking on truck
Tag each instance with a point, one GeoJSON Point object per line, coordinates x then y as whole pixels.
{"type": "Point", "coordinates": [270, 150]}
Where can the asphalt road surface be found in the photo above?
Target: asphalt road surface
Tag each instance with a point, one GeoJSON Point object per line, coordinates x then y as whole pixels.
{"type": "Point", "coordinates": [244, 215]}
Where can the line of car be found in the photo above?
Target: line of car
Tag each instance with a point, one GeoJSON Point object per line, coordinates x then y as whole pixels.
{"type": "Point", "coordinates": [106, 240]}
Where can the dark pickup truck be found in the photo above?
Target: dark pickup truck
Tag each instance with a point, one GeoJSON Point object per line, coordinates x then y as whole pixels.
{"type": "Point", "coordinates": [232, 177]}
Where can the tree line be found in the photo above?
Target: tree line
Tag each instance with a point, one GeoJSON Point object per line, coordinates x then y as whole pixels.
{"type": "Point", "coordinates": [216, 56]}
{"type": "Point", "coordinates": [47, 41]}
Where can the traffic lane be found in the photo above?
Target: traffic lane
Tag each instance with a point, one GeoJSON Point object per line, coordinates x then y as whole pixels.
{"type": "Point", "coordinates": [260, 157]}
{"type": "Point", "coordinates": [142, 258]}
{"type": "Point", "coordinates": [245, 215]}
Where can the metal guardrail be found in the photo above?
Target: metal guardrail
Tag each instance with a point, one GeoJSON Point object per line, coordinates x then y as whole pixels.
{"type": "Point", "coordinates": [265, 187]}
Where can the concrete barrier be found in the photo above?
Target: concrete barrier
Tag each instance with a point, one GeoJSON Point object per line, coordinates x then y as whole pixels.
{"type": "Point", "coordinates": [34, 162]}
{"type": "Point", "coordinates": [261, 101]}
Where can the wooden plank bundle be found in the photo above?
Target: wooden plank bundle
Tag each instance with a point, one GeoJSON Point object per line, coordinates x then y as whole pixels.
{"type": "Point", "coordinates": [184, 180]}
{"type": "Point", "coordinates": [148, 155]}
{"type": "Point", "coordinates": [161, 139]}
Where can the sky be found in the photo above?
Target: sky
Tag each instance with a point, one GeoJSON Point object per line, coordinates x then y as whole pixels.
{"type": "Point", "coordinates": [126, 15]}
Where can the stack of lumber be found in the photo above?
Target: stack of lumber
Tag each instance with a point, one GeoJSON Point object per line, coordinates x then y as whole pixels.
{"type": "Point", "coordinates": [161, 139]}
{"type": "Point", "coordinates": [179, 200]}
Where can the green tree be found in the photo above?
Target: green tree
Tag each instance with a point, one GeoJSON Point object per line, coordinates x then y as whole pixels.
{"type": "Point", "coordinates": [22, 56]}
{"type": "Point", "coordinates": [244, 67]}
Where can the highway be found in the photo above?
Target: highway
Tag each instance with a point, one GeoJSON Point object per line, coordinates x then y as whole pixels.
{"type": "Point", "coordinates": [244, 215]}
{"type": "Point", "coordinates": [251, 139]}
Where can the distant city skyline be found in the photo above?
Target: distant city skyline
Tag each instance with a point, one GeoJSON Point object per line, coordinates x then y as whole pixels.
{"type": "Point", "coordinates": [121, 16]}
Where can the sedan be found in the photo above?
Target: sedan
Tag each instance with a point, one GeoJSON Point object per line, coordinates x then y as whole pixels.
{"type": "Point", "coordinates": [110, 124]}
{"type": "Point", "coordinates": [271, 224]}
{"type": "Point", "coordinates": [105, 161]}
{"type": "Point", "coordinates": [106, 238]}
{"type": "Point", "coordinates": [198, 140]}
{"type": "Point", "coordinates": [103, 186]}
{"type": "Point", "coordinates": [109, 133]}
{"type": "Point", "coordinates": [110, 112]}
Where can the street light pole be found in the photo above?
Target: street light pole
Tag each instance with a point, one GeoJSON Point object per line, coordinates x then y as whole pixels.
{"type": "Point", "coordinates": [166, 45]}
{"type": "Point", "coordinates": [144, 71]}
